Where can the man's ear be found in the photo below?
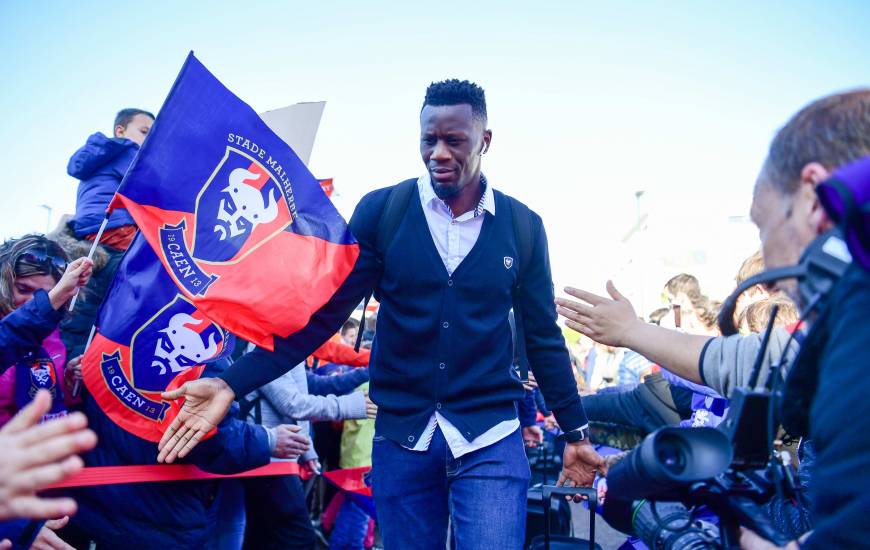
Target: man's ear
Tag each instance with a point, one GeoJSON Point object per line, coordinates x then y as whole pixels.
{"type": "Point", "coordinates": [487, 139]}
{"type": "Point", "coordinates": [812, 175]}
{"type": "Point", "coordinates": [119, 130]}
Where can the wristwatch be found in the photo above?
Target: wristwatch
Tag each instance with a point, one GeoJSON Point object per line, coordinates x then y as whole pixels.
{"type": "Point", "coordinates": [576, 435]}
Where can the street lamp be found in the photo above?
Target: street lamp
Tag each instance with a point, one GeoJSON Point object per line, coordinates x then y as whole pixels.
{"type": "Point", "coordinates": [637, 196]}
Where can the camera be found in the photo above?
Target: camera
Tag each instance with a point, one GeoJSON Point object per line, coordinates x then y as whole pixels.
{"type": "Point", "coordinates": [692, 488]}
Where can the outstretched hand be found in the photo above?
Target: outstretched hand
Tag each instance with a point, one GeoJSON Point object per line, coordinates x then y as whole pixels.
{"type": "Point", "coordinates": [47, 539]}
{"type": "Point", "coordinates": [206, 402]}
{"type": "Point", "coordinates": [580, 464]}
{"type": "Point", "coordinates": [605, 320]}
{"type": "Point", "coordinates": [36, 455]}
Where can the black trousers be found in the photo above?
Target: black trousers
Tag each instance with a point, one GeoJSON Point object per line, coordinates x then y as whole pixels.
{"type": "Point", "coordinates": [645, 407]}
{"type": "Point", "coordinates": [277, 514]}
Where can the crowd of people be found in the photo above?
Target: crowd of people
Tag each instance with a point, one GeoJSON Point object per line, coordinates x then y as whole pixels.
{"type": "Point", "coordinates": [445, 418]}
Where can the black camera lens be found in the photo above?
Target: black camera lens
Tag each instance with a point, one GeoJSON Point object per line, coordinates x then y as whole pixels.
{"type": "Point", "coordinates": [671, 453]}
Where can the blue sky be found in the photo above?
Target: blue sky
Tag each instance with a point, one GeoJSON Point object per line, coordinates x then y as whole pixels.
{"type": "Point", "coordinates": [588, 101]}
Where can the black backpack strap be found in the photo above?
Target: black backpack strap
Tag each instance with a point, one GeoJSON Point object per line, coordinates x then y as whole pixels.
{"type": "Point", "coordinates": [523, 235]}
{"type": "Point", "coordinates": [247, 405]}
{"type": "Point", "coordinates": [391, 216]}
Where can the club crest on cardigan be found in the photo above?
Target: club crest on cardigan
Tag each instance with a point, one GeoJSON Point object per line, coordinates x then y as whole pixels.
{"type": "Point", "coordinates": [508, 262]}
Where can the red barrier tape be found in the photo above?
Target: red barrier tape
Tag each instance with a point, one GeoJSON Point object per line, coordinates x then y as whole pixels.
{"type": "Point", "coordinates": [147, 473]}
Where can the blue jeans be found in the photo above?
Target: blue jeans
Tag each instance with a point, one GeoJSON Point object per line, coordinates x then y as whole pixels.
{"type": "Point", "coordinates": [351, 527]}
{"type": "Point", "coordinates": [482, 493]}
{"type": "Point", "coordinates": [229, 516]}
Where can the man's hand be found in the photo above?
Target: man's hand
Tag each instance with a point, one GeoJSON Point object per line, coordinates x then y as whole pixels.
{"type": "Point", "coordinates": [206, 402]}
{"type": "Point", "coordinates": [750, 541]}
{"type": "Point", "coordinates": [580, 463]}
{"type": "Point", "coordinates": [47, 539]}
{"type": "Point", "coordinates": [531, 384]}
{"type": "Point", "coordinates": [72, 373]}
{"type": "Point", "coordinates": [550, 422]}
{"type": "Point", "coordinates": [533, 436]}
{"type": "Point", "coordinates": [607, 321]}
{"type": "Point", "coordinates": [36, 455]}
{"type": "Point", "coordinates": [371, 408]}
{"type": "Point", "coordinates": [313, 465]}
{"type": "Point", "coordinates": [290, 443]}
{"type": "Point", "coordinates": [76, 276]}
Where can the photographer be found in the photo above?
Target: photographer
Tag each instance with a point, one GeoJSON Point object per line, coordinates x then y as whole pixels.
{"type": "Point", "coordinates": [826, 395]}
{"type": "Point", "coordinates": [822, 137]}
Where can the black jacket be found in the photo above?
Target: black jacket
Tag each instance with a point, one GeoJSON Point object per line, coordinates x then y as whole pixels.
{"type": "Point", "coordinates": [831, 380]}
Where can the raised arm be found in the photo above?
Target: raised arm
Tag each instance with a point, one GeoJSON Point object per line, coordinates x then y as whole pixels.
{"type": "Point", "coordinates": [338, 384]}
{"type": "Point", "coordinates": [207, 400]}
{"type": "Point", "coordinates": [285, 397]}
{"type": "Point", "coordinates": [25, 328]}
{"type": "Point", "coordinates": [613, 322]}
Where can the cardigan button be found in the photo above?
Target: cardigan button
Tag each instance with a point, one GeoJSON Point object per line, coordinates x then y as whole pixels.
{"type": "Point", "coordinates": [438, 406]}
{"type": "Point", "coordinates": [445, 324]}
{"type": "Point", "coordinates": [442, 366]}
{"type": "Point", "coordinates": [411, 438]}
{"type": "Point", "coordinates": [449, 282]}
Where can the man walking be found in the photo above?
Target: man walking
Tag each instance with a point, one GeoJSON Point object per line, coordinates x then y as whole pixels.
{"type": "Point", "coordinates": [447, 443]}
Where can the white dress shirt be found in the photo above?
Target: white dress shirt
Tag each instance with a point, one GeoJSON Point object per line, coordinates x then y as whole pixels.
{"type": "Point", "coordinates": [454, 238]}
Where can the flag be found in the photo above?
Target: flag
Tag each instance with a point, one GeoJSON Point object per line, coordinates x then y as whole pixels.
{"type": "Point", "coordinates": [355, 484]}
{"type": "Point", "coordinates": [150, 338]}
{"type": "Point", "coordinates": [236, 218]}
{"type": "Point", "coordinates": [327, 186]}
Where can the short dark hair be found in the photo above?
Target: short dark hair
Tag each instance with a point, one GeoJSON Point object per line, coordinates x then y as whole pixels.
{"type": "Point", "coordinates": [457, 92]}
{"type": "Point", "coordinates": [124, 116]}
{"type": "Point", "coordinates": [832, 131]}
{"type": "Point", "coordinates": [349, 324]}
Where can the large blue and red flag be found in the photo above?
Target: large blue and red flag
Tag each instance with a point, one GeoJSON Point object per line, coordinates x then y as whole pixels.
{"type": "Point", "coordinates": [241, 225]}
{"type": "Point", "coordinates": [150, 338]}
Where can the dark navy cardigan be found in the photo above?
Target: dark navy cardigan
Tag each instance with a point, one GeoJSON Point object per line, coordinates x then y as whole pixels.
{"type": "Point", "coordinates": [443, 342]}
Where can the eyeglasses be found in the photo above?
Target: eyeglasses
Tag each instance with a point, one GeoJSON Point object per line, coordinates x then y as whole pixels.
{"type": "Point", "coordinates": [41, 257]}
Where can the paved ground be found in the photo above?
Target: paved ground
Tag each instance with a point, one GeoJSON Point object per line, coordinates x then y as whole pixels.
{"type": "Point", "coordinates": [606, 536]}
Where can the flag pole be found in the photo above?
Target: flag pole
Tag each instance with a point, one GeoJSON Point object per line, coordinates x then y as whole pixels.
{"type": "Point", "coordinates": [72, 303]}
{"type": "Point", "coordinates": [77, 387]}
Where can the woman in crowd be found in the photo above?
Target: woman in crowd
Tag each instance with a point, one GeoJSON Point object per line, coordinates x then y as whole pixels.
{"type": "Point", "coordinates": [36, 281]}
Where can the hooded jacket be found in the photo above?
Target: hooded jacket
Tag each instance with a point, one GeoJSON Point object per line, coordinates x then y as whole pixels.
{"type": "Point", "coordinates": [100, 166]}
